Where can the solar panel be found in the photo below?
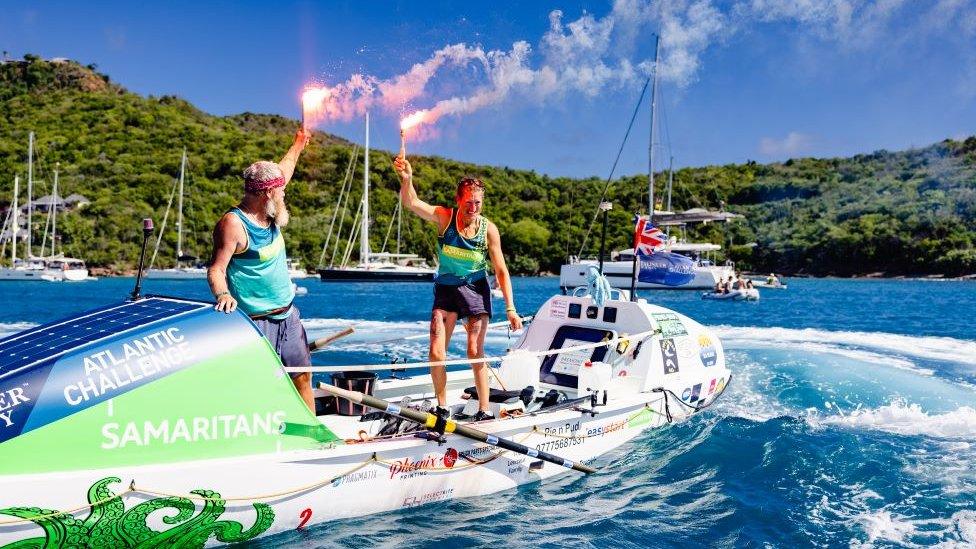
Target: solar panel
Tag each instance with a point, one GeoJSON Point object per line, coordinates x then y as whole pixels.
{"type": "Point", "coordinates": [53, 339]}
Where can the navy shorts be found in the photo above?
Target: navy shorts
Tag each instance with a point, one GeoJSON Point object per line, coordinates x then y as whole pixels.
{"type": "Point", "coordinates": [288, 338]}
{"type": "Point", "coordinates": [466, 300]}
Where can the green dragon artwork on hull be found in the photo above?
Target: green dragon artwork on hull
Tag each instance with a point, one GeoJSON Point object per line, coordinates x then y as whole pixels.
{"type": "Point", "coordinates": [110, 525]}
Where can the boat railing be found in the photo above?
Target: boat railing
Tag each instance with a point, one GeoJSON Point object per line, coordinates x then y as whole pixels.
{"type": "Point", "coordinates": [459, 361]}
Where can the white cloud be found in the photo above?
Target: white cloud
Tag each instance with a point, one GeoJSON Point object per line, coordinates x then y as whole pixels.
{"type": "Point", "coordinates": [795, 143]}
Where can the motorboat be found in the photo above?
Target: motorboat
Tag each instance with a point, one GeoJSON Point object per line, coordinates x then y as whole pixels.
{"type": "Point", "coordinates": [745, 294]}
{"type": "Point", "coordinates": [295, 269]}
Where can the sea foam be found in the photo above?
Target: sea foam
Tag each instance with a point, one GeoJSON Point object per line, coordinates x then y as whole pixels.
{"type": "Point", "coordinates": [926, 347]}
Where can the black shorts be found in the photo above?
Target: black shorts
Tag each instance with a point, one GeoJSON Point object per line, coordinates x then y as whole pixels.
{"type": "Point", "coordinates": [466, 300]}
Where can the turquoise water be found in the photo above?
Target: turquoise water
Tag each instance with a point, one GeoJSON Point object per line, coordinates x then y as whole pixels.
{"type": "Point", "coordinates": [851, 420]}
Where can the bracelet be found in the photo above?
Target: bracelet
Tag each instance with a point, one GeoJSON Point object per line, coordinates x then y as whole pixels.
{"type": "Point", "coordinates": [511, 310]}
{"type": "Point", "coordinates": [220, 294]}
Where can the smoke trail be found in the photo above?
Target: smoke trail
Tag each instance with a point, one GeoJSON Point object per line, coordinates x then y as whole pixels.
{"type": "Point", "coordinates": [593, 55]}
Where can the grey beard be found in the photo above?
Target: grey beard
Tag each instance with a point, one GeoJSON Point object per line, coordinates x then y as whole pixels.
{"type": "Point", "coordinates": [278, 212]}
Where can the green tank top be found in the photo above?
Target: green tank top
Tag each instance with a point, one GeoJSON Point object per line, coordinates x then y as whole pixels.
{"type": "Point", "coordinates": [258, 277]}
{"type": "Point", "coordinates": [462, 260]}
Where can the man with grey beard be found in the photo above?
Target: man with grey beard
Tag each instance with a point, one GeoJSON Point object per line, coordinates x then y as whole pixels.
{"type": "Point", "coordinates": [248, 267]}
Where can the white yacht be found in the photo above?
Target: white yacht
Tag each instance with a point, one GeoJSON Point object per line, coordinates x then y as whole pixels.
{"type": "Point", "coordinates": [621, 269]}
{"type": "Point", "coordinates": [295, 269]}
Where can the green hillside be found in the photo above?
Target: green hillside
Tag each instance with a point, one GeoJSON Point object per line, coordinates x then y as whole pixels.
{"type": "Point", "coordinates": [911, 212]}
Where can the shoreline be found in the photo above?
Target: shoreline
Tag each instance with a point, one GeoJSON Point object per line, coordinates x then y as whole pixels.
{"type": "Point", "coordinates": [104, 272]}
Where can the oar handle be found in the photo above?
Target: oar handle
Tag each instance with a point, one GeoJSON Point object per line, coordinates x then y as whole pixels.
{"type": "Point", "coordinates": [321, 342]}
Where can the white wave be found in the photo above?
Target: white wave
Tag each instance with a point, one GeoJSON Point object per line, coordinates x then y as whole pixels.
{"type": "Point", "coordinates": [855, 354]}
{"type": "Point", "coordinates": [928, 347]}
{"type": "Point", "coordinates": [883, 525]}
{"type": "Point", "coordinates": [906, 419]}
{"type": "Point", "coordinates": [886, 527]}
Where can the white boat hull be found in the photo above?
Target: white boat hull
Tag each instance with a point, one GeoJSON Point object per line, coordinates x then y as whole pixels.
{"type": "Point", "coordinates": [343, 482]}
{"type": "Point", "coordinates": [620, 274]}
{"type": "Point", "coordinates": [184, 273]}
{"type": "Point", "coordinates": [44, 275]}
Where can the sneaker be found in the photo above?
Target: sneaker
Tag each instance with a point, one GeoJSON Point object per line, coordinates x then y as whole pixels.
{"type": "Point", "coordinates": [441, 412]}
{"type": "Point", "coordinates": [482, 416]}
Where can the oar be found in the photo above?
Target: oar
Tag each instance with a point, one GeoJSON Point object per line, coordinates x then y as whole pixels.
{"type": "Point", "coordinates": [321, 342]}
{"type": "Point", "coordinates": [430, 420]}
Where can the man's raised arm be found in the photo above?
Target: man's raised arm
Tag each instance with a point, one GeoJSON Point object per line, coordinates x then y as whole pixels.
{"type": "Point", "coordinates": [288, 162]}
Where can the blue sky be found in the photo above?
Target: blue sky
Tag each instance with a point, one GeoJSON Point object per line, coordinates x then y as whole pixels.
{"type": "Point", "coordinates": [742, 80]}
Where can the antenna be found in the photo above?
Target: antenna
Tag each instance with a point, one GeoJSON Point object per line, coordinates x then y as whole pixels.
{"type": "Point", "coordinates": [147, 229]}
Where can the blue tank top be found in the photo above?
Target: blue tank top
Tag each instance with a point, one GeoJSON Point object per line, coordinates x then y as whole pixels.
{"type": "Point", "coordinates": [258, 277]}
{"type": "Point", "coordinates": [462, 260]}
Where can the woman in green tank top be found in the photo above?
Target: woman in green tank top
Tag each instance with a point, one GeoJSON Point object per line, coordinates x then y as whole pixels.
{"type": "Point", "coordinates": [467, 242]}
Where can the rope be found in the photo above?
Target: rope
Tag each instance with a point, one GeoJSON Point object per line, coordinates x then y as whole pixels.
{"type": "Point", "coordinates": [102, 501]}
{"type": "Point", "coordinates": [133, 489]}
{"type": "Point", "coordinates": [342, 191]}
{"type": "Point", "coordinates": [599, 286]}
{"type": "Point", "coordinates": [454, 362]}
{"type": "Point", "coordinates": [195, 497]}
{"type": "Point", "coordinates": [306, 488]}
{"type": "Point", "coordinates": [613, 169]}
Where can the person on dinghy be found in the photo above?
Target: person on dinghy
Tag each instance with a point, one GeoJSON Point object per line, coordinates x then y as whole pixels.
{"type": "Point", "coordinates": [466, 242]}
{"type": "Point", "coordinates": [248, 267]}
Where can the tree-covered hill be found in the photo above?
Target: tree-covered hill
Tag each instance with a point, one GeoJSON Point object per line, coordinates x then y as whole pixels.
{"type": "Point", "coordinates": [911, 212]}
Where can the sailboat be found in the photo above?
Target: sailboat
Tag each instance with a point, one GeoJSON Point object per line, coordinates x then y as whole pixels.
{"type": "Point", "coordinates": [376, 267]}
{"type": "Point", "coordinates": [53, 268]}
{"type": "Point", "coordinates": [70, 269]}
{"type": "Point", "coordinates": [620, 270]}
{"type": "Point", "coordinates": [191, 270]}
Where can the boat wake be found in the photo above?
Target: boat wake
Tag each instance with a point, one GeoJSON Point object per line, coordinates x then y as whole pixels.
{"type": "Point", "coordinates": [900, 346]}
{"type": "Point", "coordinates": [903, 418]}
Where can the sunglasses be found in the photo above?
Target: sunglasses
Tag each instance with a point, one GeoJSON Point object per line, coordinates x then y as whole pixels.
{"type": "Point", "coordinates": [471, 182]}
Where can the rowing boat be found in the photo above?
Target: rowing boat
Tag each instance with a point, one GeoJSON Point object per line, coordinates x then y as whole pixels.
{"type": "Point", "coordinates": [159, 421]}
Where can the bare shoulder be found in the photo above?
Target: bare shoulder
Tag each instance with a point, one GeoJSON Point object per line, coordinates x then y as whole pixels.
{"type": "Point", "coordinates": [492, 228]}
{"type": "Point", "coordinates": [229, 226]}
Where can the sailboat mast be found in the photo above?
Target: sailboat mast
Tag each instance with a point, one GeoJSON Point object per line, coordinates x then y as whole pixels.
{"type": "Point", "coordinates": [364, 230]}
{"type": "Point", "coordinates": [54, 215]}
{"type": "Point", "coordinates": [650, 146]}
{"type": "Point", "coordinates": [650, 169]}
{"type": "Point", "coordinates": [14, 226]}
{"type": "Point", "coordinates": [670, 180]}
{"type": "Point", "coordinates": [179, 212]}
{"type": "Point", "coordinates": [30, 191]}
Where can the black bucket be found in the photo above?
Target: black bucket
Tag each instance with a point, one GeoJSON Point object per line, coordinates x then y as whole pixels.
{"type": "Point", "coordinates": [353, 381]}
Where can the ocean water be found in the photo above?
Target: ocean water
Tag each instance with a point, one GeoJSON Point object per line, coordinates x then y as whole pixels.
{"type": "Point", "coordinates": [851, 420]}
